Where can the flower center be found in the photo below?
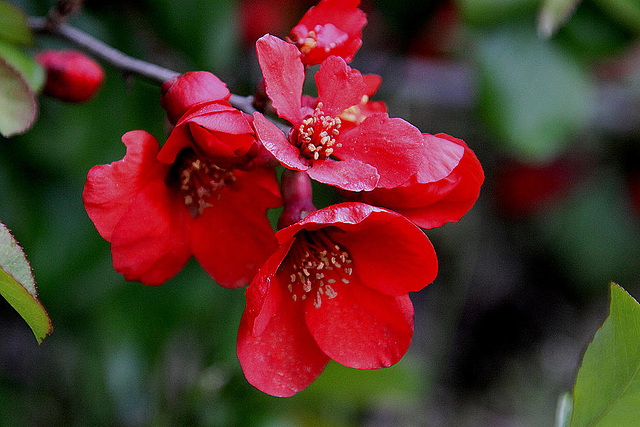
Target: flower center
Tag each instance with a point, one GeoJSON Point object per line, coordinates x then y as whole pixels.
{"type": "Point", "coordinates": [306, 44]}
{"type": "Point", "coordinates": [317, 263]}
{"type": "Point", "coordinates": [316, 136]}
{"type": "Point", "coordinates": [200, 181]}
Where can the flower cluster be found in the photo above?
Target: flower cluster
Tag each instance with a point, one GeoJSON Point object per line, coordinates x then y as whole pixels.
{"type": "Point", "coordinates": [331, 283]}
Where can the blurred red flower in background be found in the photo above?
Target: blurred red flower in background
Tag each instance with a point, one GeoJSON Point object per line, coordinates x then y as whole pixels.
{"type": "Point", "coordinates": [523, 189]}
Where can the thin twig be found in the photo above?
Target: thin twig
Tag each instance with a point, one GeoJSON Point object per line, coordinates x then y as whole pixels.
{"type": "Point", "coordinates": [99, 49]}
{"type": "Point", "coordinates": [126, 64]}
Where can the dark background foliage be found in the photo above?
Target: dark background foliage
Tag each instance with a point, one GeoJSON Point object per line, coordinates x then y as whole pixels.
{"type": "Point", "coordinates": [523, 277]}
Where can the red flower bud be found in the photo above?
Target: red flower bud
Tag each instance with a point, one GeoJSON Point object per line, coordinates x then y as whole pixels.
{"type": "Point", "coordinates": [184, 91]}
{"type": "Point", "coordinates": [71, 75]}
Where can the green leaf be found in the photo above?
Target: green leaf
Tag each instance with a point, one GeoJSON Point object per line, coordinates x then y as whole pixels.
{"type": "Point", "coordinates": [491, 12]}
{"type": "Point", "coordinates": [18, 109]}
{"type": "Point", "coordinates": [607, 389]}
{"type": "Point", "coordinates": [18, 287]}
{"type": "Point", "coordinates": [553, 14]}
{"type": "Point", "coordinates": [626, 12]}
{"type": "Point", "coordinates": [28, 67]}
{"type": "Point", "coordinates": [532, 95]}
{"type": "Point", "coordinates": [13, 25]}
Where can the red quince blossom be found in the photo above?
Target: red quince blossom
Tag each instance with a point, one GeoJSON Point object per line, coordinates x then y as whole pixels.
{"type": "Point", "coordinates": [72, 76]}
{"type": "Point", "coordinates": [445, 187]}
{"type": "Point", "coordinates": [332, 27]}
{"type": "Point", "coordinates": [186, 90]}
{"type": "Point", "coordinates": [157, 215]}
{"type": "Point", "coordinates": [335, 289]}
{"type": "Point", "coordinates": [377, 152]}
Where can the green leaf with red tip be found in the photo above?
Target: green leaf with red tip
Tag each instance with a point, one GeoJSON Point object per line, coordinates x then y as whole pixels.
{"type": "Point", "coordinates": [18, 109]}
{"type": "Point", "coordinates": [18, 287]}
{"type": "Point", "coordinates": [607, 389]}
{"type": "Point", "coordinates": [13, 25]}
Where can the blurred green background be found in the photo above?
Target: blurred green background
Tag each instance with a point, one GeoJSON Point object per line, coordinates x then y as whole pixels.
{"type": "Point", "coordinates": [523, 281]}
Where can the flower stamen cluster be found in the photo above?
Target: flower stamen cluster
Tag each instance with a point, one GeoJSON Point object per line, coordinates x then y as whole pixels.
{"type": "Point", "coordinates": [316, 136]}
{"type": "Point", "coordinates": [317, 263]}
{"type": "Point", "coordinates": [200, 180]}
{"type": "Point", "coordinates": [306, 44]}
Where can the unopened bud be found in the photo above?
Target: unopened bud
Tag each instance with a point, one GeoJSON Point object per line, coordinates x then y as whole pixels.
{"type": "Point", "coordinates": [72, 76]}
{"type": "Point", "coordinates": [295, 188]}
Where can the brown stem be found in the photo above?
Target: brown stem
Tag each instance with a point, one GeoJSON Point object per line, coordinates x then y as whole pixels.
{"type": "Point", "coordinates": [126, 64]}
{"type": "Point", "coordinates": [99, 49]}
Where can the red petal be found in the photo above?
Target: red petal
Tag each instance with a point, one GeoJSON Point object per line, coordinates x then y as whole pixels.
{"type": "Point", "coordinates": [110, 189]}
{"type": "Point", "coordinates": [215, 128]}
{"type": "Point", "coordinates": [389, 253]}
{"type": "Point", "coordinates": [262, 303]}
{"type": "Point", "coordinates": [277, 143]}
{"type": "Point", "coordinates": [284, 359]}
{"type": "Point", "coordinates": [361, 328]}
{"type": "Point", "coordinates": [464, 182]}
{"type": "Point", "coordinates": [440, 158]}
{"type": "Point", "coordinates": [283, 75]}
{"type": "Point", "coordinates": [343, 213]}
{"type": "Point", "coordinates": [339, 86]}
{"type": "Point", "coordinates": [150, 242]}
{"type": "Point", "coordinates": [392, 146]}
{"type": "Point", "coordinates": [344, 14]}
{"type": "Point", "coordinates": [434, 197]}
{"type": "Point", "coordinates": [373, 82]}
{"type": "Point", "coordinates": [190, 89]}
{"type": "Point", "coordinates": [339, 14]}
{"type": "Point", "coordinates": [233, 238]}
{"type": "Point", "coordinates": [348, 174]}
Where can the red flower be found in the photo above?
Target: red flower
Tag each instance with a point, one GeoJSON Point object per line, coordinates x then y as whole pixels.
{"type": "Point", "coordinates": [72, 76]}
{"type": "Point", "coordinates": [157, 215]}
{"type": "Point", "coordinates": [523, 189]}
{"type": "Point", "coordinates": [335, 289]}
{"type": "Point", "coordinates": [183, 92]}
{"type": "Point", "coordinates": [332, 27]}
{"type": "Point", "coordinates": [215, 130]}
{"type": "Point", "coordinates": [378, 152]}
{"type": "Point", "coordinates": [444, 189]}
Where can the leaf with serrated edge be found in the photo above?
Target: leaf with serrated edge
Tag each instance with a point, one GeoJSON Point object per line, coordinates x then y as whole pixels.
{"type": "Point", "coordinates": [553, 14]}
{"type": "Point", "coordinates": [13, 261]}
{"type": "Point", "coordinates": [13, 25]}
{"type": "Point", "coordinates": [607, 389]}
{"type": "Point", "coordinates": [18, 287]}
{"type": "Point", "coordinates": [18, 109]}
